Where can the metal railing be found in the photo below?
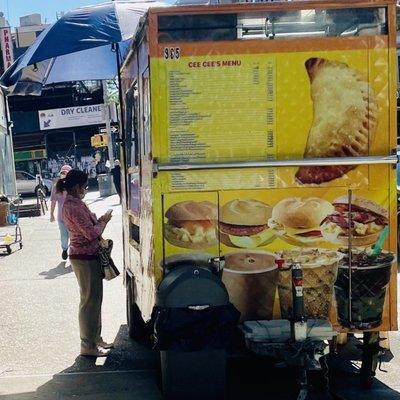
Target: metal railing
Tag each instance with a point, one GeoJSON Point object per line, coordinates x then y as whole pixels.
{"type": "Point", "coordinates": [312, 162]}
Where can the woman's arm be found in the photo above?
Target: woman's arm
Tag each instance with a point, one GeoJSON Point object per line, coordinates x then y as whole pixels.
{"type": "Point", "coordinates": [82, 222]}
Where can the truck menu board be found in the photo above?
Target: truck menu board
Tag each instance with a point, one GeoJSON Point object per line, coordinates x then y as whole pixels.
{"type": "Point", "coordinates": [325, 98]}
{"type": "Point", "coordinates": [211, 96]}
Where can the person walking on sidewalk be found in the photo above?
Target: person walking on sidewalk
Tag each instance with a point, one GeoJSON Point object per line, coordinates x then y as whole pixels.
{"type": "Point", "coordinates": [57, 199]}
{"type": "Point", "coordinates": [85, 233]}
{"type": "Point", "coordinates": [116, 173]}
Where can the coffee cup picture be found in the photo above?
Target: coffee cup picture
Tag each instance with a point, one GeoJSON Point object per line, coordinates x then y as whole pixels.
{"type": "Point", "coordinates": [251, 279]}
{"type": "Point", "coordinates": [370, 277]}
{"type": "Point", "coordinates": [320, 268]}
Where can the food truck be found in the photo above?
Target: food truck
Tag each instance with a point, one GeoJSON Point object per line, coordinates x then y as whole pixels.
{"type": "Point", "coordinates": [262, 137]}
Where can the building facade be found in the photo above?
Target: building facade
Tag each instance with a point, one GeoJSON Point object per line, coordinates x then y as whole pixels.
{"type": "Point", "coordinates": [55, 128]}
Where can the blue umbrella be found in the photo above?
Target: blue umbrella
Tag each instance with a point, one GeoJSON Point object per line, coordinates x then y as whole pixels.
{"type": "Point", "coordinates": [68, 49]}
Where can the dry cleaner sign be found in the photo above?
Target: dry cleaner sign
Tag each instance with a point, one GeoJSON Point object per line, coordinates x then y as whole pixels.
{"type": "Point", "coordinates": [71, 116]}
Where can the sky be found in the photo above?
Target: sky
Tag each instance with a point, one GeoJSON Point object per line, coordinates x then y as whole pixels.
{"type": "Point", "coordinates": [13, 9]}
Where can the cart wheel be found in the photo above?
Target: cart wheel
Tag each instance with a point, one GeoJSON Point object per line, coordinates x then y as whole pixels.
{"type": "Point", "coordinates": [20, 246]}
{"type": "Point", "coordinates": [8, 248]}
{"type": "Point", "coordinates": [370, 357]}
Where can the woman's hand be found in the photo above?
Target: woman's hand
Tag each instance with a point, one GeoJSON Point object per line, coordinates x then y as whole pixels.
{"type": "Point", "coordinates": [106, 217]}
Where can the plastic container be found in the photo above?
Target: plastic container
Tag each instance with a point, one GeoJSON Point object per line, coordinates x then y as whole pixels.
{"type": "Point", "coordinates": [319, 277]}
{"type": "Point", "coordinates": [368, 292]}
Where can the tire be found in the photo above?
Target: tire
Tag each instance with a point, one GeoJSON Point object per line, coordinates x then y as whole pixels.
{"type": "Point", "coordinates": [8, 248]}
{"type": "Point", "coordinates": [136, 325]}
{"type": "Point", "coordinates": [20, 246]}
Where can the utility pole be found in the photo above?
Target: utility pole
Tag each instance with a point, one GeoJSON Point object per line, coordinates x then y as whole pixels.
{"type": "Point", "coordinates": [106, 111]}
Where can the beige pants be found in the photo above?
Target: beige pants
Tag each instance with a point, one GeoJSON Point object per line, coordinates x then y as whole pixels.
{"type": "Point", "coordinates": [89, 275]}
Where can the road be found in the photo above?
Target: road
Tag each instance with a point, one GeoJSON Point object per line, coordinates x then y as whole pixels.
{"type": "Point", "coordinates": [39, 339]}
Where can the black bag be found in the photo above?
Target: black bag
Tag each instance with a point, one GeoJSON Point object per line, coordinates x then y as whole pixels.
{"type": "Point", "coordinates": [185, 329]}
{"type": "Point", "coordinates": [110, 271]}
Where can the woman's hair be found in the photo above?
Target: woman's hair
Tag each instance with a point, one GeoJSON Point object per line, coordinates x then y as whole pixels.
{"type": "Point", "coordinates": [73, 178]}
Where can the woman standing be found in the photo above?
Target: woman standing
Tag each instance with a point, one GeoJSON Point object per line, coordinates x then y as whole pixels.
{"type": "Point", "coordinates": [85, 233]}
{"type": "Point", "coordinates": [58, 198]}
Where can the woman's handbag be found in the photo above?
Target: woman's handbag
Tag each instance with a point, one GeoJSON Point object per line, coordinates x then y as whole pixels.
{"type": "Point", "coordinates": [110, 271]}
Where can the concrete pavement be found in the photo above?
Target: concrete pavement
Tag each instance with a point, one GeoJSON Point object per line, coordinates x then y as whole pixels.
{"type": "Point", "coordinates": [39, 336]}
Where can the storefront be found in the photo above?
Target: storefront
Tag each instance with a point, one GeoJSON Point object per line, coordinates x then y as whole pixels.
{"type": "Point", "coordinates": [55, 128]}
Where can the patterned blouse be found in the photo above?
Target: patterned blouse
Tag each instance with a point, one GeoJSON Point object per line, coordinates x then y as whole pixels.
{"type": "Point", "coordinates": [84, 228]}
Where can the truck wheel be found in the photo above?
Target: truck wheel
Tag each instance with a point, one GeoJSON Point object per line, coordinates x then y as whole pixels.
{"type": "Point", "coordinates": [136, 326]}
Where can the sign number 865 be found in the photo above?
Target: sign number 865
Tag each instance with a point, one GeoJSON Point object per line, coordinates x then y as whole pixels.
{"type": "Point", "coordinates": [172, 53]}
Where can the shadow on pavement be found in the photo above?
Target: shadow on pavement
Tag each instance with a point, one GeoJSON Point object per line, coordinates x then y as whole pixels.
{"type": "Point", "coordinates": [60, 270]}
{"type": "Point", "coordinates": [128, 372]}
{"type": "Point", "coordinates": [131, 372]}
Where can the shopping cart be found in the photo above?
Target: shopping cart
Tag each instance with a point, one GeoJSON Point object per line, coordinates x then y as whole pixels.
{"type": "Point", "coordinates": [10, 231]}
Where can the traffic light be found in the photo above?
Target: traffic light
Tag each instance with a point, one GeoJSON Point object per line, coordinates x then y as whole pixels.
{"type": "Point", "coordinates": [100, 140]}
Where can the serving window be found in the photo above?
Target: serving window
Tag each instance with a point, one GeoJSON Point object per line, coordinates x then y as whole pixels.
{"type": "Point", "coordinates": [273, 25]}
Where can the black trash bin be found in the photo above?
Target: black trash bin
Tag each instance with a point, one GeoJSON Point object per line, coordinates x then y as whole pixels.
{"type": "Point", "coordinates": [193, 321]}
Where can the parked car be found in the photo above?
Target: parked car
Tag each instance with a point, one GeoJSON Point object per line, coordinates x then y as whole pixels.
{"type": "Point", "coordinates": [27, 183]}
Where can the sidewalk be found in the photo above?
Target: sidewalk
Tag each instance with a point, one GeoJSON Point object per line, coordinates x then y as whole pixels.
{"type": "Point", "coordinates": [39, 335]}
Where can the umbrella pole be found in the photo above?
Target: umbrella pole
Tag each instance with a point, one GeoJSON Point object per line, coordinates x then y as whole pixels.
{"type": "Point", "coordinates": [108, 125]}
{"type": "Point", "coordinates": [121, 120]}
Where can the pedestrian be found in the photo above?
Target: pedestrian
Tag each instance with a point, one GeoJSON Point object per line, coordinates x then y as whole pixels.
{"type": "Point", "coordinates": [116, 173]}
{"type": "Point", "coordinates": [85, 234]}
{"type": "Point", "coordinates": [57, 199]}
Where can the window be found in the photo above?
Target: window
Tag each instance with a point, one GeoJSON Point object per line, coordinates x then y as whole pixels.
{"type": "Point", "coordinates": [273, 25]}
{"type": "Point", "coordinates": [312, 23]}
{"type": "Point", "coordinates": [28, 177]}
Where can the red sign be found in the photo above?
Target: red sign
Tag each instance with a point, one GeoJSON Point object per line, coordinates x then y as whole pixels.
{"type": "Point", "coordinates": [7, 47]}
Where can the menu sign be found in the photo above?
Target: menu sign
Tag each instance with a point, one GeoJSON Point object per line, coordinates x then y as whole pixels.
{"type": "Point", "coordinates": [218, 99]}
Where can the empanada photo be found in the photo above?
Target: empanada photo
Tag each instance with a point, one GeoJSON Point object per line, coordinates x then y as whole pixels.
{"type": "Point", "coordinates": [345, 118]}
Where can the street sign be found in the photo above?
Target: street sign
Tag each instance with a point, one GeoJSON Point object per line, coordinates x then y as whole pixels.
{"type": "Point", "coordinates": [99, 140]}
{"type": "Point", "coordinates": [114, 129]}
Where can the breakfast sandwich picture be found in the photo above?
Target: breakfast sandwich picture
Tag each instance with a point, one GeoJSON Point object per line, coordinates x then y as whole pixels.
{"type": "Point", "coordinates": [296, 220]}
{"type": "Point", "coordinates": [368, 219]}
{"type": "Point", "coordinates": [243, 223]}
{"type": "Point", "coordinates": [192, 224]}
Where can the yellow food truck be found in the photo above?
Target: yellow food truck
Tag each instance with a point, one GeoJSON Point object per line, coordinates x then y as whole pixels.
{"type": "Point", "coordinates": [259, 138]}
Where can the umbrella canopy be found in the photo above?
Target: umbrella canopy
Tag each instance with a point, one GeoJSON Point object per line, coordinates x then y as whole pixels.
{"type": "Point", "coordinates": [68, 49]}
